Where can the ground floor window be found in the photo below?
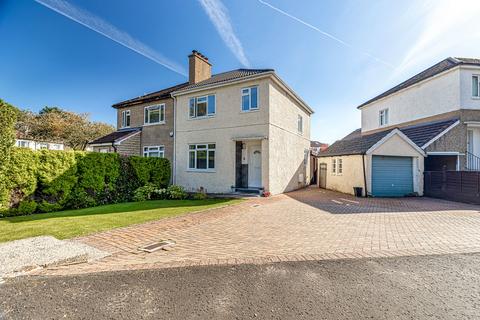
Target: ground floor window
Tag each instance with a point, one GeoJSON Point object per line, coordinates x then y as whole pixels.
{"type": "Point", "coordinates": [201, 156]}
{"type": "Point", "coordinates": [154, 151]}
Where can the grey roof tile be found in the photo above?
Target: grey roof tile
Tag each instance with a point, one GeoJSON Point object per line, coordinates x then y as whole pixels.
{"type": "Point", "coordinates": [356, 143]}
{"type": "Point", "coordinates": [115, 136]}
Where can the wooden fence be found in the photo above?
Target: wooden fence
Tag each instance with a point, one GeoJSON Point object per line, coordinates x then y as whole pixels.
{"type": "Point", "coordinates": [462, 186]}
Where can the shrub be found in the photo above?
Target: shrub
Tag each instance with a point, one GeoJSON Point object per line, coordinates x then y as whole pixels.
{"type": "Point", "coordinates": [199, 196]}
{"type": "Point", "coordinates": [144, 193]}
{"type": "Point", "coordinates": [57, 180]}
{"type": "Point", "coordinates": [8, 117]}
{"type": "Point", "coordinates": [176, 192]}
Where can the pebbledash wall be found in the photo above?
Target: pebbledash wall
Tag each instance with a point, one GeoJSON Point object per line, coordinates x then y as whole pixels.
{"type": "Point", "coordinates": [283, 149]}
{"type": "Point", "coordinates": [443, 93]}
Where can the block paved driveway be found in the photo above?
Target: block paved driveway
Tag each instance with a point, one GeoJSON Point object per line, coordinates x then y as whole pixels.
{"type": "Point", "coordinates": [310, 224]}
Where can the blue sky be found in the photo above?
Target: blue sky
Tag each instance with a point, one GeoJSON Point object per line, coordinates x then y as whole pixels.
{"type": "Point", "coordinates": [334, 54]}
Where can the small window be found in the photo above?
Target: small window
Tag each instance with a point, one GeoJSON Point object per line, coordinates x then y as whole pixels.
{"type": "Point", "coordinates": [334, 165]}
{"type": "Point", "coordinates": [300, 124]}
{"type": "Point", "coordinates": [154, 151]}
{"type": "Point", "coordinates": [125, 118]}
{"type": "Point", "coordinates": [339, 166]}
{"type": "Point", "coordinates": [383, 117]}
{"type": "Point", "coordinates": [201, 156]}
{"type": "Point", "coordinates": [202, 107]}
{"type": "Point", "coordinates": [23, 144]}
{"type": "Point", "coordinates": [476, 86]}
{"type": "Point", "coordinates": [155, 114]}
{"type": "Point", "coordinates": [250, 99]}
{"type": "Point", "coordinates": [43, 145]}
{"type": "Point", "coordinates": [103, 150]}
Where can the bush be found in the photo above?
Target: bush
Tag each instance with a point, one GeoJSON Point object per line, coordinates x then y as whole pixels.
{"type": "Point", "coordinates": [144, 193]}
{"type": "Point", "coordinates": [47, 180]}
{"type": "Point", "coordinates": [176, 192]}
{"type": "Point", "coordinates": [199, 196]}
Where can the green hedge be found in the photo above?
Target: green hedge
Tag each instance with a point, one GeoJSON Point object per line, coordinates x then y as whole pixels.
{"type": "Point", "coordinates": [44, 181]}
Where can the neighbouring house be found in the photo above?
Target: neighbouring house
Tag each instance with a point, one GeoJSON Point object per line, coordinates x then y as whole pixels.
{"type": "Point", "coordinates": [38, 145]}
{"type": "Point", "coordinates": [428, 122]}
{"type": "Point", "coordinates": [242, 130]}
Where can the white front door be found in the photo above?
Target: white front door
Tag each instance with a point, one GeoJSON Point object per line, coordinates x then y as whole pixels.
{"type": "Point", "coordinates": [255, 166]}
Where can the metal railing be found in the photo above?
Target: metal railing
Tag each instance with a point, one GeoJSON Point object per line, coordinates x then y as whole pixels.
{"type": "Point", "coordinates": [473, 162]}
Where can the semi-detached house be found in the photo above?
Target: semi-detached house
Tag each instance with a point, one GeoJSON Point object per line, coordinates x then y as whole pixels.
{"type": "Point", "coordinates": [241, 130]}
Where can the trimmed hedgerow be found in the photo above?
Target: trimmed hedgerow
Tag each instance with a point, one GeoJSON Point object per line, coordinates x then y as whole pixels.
{"type": "Point", "coordinates": [45, 181]}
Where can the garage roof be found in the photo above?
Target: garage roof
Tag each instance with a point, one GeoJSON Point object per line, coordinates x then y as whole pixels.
{"type": "Point", "coordinates": [356, 143]}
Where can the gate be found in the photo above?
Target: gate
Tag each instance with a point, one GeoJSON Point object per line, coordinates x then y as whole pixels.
{"type": "Point", "coordinates": [462, 186]}
{"type": "Point", "coordinates": [322, 176]}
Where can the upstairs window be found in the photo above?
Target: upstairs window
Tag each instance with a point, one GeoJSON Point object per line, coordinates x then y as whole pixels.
{"type": "Point", "coordinates": [125, 118]}
{"type": "Point", "coordinates": [201, 156]}
{"type": "Point", "coordinates": [300, 124]}
{"type": "Point", "coordinates": [476, 86]}
{"type": "Point", "coordinates": [202, 107]}
{"type": "Point", "coordinates": [250, 99]}
{"type": "Point", "coordinates": [154, 151]}
{"type": "Point", "coordinates": [383, 117]}
{"type": "Point", "coordinates": [155, 114]}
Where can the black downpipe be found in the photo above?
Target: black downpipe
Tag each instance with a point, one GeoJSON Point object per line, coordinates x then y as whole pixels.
{"type": "Point", "coordinates": [364, 176]}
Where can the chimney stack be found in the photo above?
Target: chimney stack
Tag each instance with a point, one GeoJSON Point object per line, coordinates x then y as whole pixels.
{"type": "Point", "coordinates": [199, 68]}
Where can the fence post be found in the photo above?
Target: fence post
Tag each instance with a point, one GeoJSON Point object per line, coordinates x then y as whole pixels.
{"type": "Point", "coordinates": [444, 179]}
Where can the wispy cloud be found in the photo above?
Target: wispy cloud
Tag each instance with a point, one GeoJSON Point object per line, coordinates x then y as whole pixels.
{"type": "Point", "coordinates": [106, 29]}
{"type": "Point", "coordinates": [328, 35]}
{"type": "Point", "coordinates": [450, 28]}
{"type": "Point", "coordinates": [218, 14]}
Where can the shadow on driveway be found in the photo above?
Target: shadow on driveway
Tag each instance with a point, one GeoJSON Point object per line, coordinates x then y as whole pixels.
{"type": "Point", "coordinates": [340, 203]}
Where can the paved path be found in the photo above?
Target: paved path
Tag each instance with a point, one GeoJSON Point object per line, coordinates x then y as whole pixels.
{"type": "Point", "coordinates": [426, 287]}
{"type": "Point", "coordinates": [311, 224]}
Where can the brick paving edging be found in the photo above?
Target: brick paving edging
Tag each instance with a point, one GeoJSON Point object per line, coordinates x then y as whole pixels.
{"type": "Point", "coordinates": [268, 259]}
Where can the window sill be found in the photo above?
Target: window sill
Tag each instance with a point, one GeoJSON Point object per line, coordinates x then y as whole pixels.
{"type": "Point", "coordinates": [250, 110]}
{"type": "Point", "coordinates": [202, 170]}
{"type": "Point", "coordinates": [202, 117]}
{"type": "Point", "coordinates": [153, 124]}
{"type": "Point", "coordinates": [475, 98]}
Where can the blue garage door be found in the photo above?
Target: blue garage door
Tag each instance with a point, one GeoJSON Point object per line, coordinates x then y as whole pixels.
{"type": "Point", "coordinates": [392, 176]}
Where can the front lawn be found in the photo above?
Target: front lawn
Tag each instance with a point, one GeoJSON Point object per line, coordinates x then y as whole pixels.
{"type": "Point", "coordinates": [72, 223]}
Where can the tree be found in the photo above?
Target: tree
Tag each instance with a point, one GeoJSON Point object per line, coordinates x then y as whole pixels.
{"type": "Point", "coordinates": [53, 124]}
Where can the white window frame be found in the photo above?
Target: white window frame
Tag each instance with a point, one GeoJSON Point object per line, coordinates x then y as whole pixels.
{"type": "Point", "coordinates": [478, 86]}
{"type": "Point", "coordinates": [23, 144]}
{"type": "Point", "coordinates": [125, 114]}
{"type": "Point", "coordinates": [339, 166]}
{"type": "Point", "coordinates": [161, 110]}
{"type": "Point", "coordinates": [300, 124]}
{"type": "Point", "coordinates": [208, 148]}
{"type": "Point", "coordinates": [147, 150]}
{"type": "Point", "coordinates": [383, 117]}
{"type": "Point", "coordinates": [249, 94]}
{"type": "Point", "coordinates": [195, 107]}
{"type": "Point", "coordinates": [104, 150]}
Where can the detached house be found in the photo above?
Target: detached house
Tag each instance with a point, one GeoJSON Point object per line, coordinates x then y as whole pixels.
{"type": "Point", "coordinates": [241, 130]}
{"type": "Point", "coordinates": [428, 122]}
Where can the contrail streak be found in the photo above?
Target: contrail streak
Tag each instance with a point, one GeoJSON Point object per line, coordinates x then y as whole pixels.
{"type": "Point", "coordinates": [106, 29]}
{"type": "Point", "coordinates": [218, 15]}
{"type": "Point", "coordinates": [328, 35]}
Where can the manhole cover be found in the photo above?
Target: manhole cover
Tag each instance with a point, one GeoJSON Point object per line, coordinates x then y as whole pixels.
{"type": "Point", "coordinates": [152, 247]}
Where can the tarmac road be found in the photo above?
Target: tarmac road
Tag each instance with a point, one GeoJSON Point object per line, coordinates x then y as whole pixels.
{"type": "Point", "coordinates": [422, 287]}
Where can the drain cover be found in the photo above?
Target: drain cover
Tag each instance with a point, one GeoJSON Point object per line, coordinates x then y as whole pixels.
{"type": "Point", "coordinates": [152, 247]}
